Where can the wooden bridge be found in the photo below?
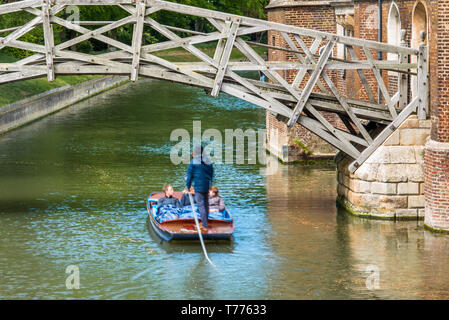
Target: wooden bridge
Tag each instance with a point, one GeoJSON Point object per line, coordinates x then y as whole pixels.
{"type": "Point", "coordinates": [369, 121]}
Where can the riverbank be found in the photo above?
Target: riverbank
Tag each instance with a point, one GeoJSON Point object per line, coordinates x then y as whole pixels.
{"type": "Point", "coordinates": [17, 114]}
{"type": "Point", "coordinates": [16, 91]}
{"type": "Point", "coordinates": [180, 55]}
{"type": "Point", "coordinates": [19, 90]}
{"type": "Point", "coordinates": [25, 101]}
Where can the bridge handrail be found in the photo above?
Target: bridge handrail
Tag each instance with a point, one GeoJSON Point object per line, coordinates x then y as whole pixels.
{"type": "Point", "coordinates": [206, 13]}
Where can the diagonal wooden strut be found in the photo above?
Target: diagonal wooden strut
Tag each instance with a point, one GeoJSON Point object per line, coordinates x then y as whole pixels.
{"type": "Point", "coordinates": [381, 83]}
{"type": "Point", "coordinates": [20, 32]}
{"type": "Point", "coordinates": [313, 48]}
{"type": "Point", "coordinates": [312, 82]}
{"type": "Point", "coordinates": [231, 34]}
{"type": "Point", "coordinates": [384, 135]}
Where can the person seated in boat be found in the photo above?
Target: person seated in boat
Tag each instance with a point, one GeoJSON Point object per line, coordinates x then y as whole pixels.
{"type": "Point", "coordinates": [169, 199]}
{"type": "Point", "coordinates": [185, 199]}
{"type": "Point", "coordinates": [216, 203]}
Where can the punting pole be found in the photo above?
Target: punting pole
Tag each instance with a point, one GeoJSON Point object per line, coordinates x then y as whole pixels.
{"type": "Point", "coordinates": [199, 230]}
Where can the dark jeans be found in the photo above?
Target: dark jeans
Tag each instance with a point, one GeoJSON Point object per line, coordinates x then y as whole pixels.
{"type": "Point", "coordinates": [202, 200]}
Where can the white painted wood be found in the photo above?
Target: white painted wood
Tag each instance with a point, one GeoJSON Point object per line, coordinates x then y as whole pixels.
{"type": "Point", "coordinates": [185, 70]}
{"type": "Point", "coordinates": [362, 75]}
{"type": "Point", "coordinates": [300, 76]}
{"type": "Point", "coordinates": [338, 96]}
{"type": "Point", "coordinates": [91, 59]}
{"type": "Point", "coordinates": [349, 148]}
{"type": "Point", "coordinates": [423, 82]}
{"type": "Point", "coordinates": [253, 89]}
{"type": "Point", "coordinates": [48, 39]}
{"type": "Point", "coordinates": [189, 47]}
{"type": "Point", "coordinates": [381, 83]}
{"type": "Point", "coordinates": [27, 46]}
{"type": "Point", "coordinates": [20, 32]}
{"type": "Point", "coordinates": [318, 129]}
{"type": "Point", "coordinates": [403, 83]}
{"type": "Point", "coordinates": [21, 75]}
{"type": "Point", "coordinates": [137, 39]}
{"type": "Point", "coordinates": [96, 32]}
{"type": "Point", "coordinates": [384, 135]}
{"type": "Point", "coordinates": [311, 83]}
{"type": "Point", "coordinates": [174, 7]}
{"type": "Point", "coordinates": [224, 60]}
{"type": "Point", "coordinates": [85, 31]}
{"type": "Point", "coordinates": [18, 6]}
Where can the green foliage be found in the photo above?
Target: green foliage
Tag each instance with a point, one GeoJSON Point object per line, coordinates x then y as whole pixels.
{"type": "Point", "coordinates": [17, 19]}
{"type": "Point", "coordinates": [149, 38]}
{"type": "Point", "coordinates": [303, 147]}
{"type": "Point", "coordinates": [251, 8]}
{"type": "Point", "coordinates": [125, 34]}
{"type": "Point", "coordinates": [85, 47]}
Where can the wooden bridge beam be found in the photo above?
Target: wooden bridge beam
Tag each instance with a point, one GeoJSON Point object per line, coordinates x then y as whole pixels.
{"type": "Point", "coordinates": [314, 78]}
{"type": "Point", "coordinates": [423, 82]}
{"type": "Point", "coordinates": [49, 39]}
{"type": "Point", "coordinates": [137, 39]}
{"type": "Point", "coordinates": [230, 33]}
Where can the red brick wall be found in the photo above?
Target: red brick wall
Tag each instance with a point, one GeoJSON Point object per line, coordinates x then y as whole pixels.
{"type": "Point", "coordinates": [437, 187]}
{"type": "Point", "coordinates": [321, 18]}
{"type": "Point", "coordinates": [436, 158]}
{"type": "Point", "coordinates": [365, 27]}
{"type": "Point", "coordinates": [274, 38]}
{"type": "Point", "coordinates": [437, 150]}
{"type": "Point", "coordinates": [441, 109]}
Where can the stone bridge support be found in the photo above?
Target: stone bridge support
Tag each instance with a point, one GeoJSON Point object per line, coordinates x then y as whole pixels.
{"type": "Point", "coordinates": [390, 184]}
{"type": "Point", "coordinates": [408, 176]}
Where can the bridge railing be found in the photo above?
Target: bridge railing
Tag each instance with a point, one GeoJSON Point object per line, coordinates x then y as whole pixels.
{"type": "Point", "coordinates": [314, 87]}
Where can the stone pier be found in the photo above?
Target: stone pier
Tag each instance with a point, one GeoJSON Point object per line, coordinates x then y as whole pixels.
{"type": "Point", "coordinates": [390, 184]}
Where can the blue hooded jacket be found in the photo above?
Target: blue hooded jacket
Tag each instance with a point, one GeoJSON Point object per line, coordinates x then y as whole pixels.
{"type": "Point", "coordinates": [200, 173]}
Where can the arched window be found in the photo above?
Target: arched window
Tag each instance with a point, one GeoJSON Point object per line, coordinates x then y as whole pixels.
{"type": "Point", "coordinates": [419, 24]}
{"type": "Point", "coordinates": [394, 29]}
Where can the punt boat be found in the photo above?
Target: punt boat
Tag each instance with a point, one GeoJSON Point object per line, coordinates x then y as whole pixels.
{"type": "Point", "coordinates": [221, 226]}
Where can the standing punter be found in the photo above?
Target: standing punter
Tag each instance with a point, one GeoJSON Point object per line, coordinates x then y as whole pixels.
{"type": "Point", "coordinates": [201, 173]}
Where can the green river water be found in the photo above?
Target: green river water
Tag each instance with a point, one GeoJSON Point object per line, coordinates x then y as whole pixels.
{"type": "Point", "coordinates": [73, 191]}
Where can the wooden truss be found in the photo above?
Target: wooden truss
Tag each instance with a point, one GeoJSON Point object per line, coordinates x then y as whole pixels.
{"type": "Point", "coordinates": [369, 121]}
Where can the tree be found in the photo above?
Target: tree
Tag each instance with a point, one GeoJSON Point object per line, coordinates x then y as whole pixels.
{"type": "Point", "coordinates": [250, 8]}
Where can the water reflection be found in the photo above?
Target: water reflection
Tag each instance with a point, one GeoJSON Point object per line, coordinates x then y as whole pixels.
{"type": "Point", "coordinates": [327, 253]}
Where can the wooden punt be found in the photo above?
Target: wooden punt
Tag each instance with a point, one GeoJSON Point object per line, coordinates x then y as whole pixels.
{"type": "Point", "coordinates": [185, 229]}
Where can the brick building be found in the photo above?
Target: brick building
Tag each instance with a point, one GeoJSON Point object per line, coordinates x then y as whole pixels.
{"type": "Point", "coordinates": [318, 15]}
{"type": "Point", "coordinates": [363, 19]}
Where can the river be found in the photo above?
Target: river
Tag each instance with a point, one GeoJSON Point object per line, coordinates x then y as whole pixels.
{"type": "Point", "coordinates": [73, 192]}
